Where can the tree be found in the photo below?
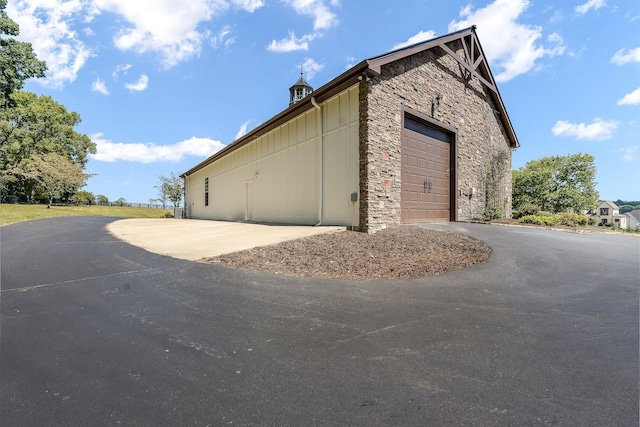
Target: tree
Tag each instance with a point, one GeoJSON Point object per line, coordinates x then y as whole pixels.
{"type": "Point", "coordinates": [557, 183]}
{"type": "Point", "coordinates": [84, 198]}
{"type": "Point", "coordinates": [170, 188]}
{"type": "Point", "coordinates": [18, 62]}
{"type": "Point", "coordinates": [37, 125]}
{"type": "Point", "coordinates": [55, 174]}
{"type": "Point", "coordinates": [102, 200]}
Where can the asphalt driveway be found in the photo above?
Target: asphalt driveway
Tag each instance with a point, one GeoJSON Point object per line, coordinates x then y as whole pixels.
{"type": "Point", "coordinates": [95, 331]}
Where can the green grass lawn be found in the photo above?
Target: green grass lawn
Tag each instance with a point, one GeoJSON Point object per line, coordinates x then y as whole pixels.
{"type": "Point", "coordinates": [10, 214]}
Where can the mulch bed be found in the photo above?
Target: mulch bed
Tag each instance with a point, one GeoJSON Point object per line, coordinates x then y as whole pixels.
{"type": "Point", "coordinates": [401, 252]}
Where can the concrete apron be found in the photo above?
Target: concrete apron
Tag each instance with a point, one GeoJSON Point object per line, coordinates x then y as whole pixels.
{"type": "Point", "coordinates": [193, 239]}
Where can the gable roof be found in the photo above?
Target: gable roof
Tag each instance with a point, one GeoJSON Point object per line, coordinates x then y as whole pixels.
{"type": "Point", "coordinates": [474, 62]}
{"type": "Point", "coordinates": [610, 203]}
{"type": "Point", "coordinates": [635, 213]}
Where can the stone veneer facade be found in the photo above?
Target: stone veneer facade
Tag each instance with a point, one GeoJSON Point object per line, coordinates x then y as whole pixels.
{"type": "Point", "coordinates": [482, 144]}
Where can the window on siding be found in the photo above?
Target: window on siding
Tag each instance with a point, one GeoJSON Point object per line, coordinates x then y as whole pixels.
{"type": "Point", "coordinates": [206, 191]}
{"type": "Point", "coordinates": [420, 126]}
{"type": "Point", "coordinates": [604, 211]}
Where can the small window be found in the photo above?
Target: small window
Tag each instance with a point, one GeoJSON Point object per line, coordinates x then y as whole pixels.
{"type": "Point", "coordinates": [617, 220]}
{"type": "Point", "coordinates": [206, 191]}
{"type": "Point", "coordinates": [422, 127]}
{"type": "Point", "coordinates": [604, 211]}
{"type": "Point", "coordinates": [604, 220]}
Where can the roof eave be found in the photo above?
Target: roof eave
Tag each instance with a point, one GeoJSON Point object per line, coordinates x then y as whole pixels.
{"type": "Point", "coordinates": [346, 79]}
{"type": "Point", "coordinates": [371, 67]}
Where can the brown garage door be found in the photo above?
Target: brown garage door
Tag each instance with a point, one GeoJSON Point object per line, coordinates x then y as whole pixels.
{"type": "Point", "coordinates": [425, 173]}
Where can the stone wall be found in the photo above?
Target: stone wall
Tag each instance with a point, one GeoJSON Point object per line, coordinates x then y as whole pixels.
{"type": "Point", "coordinates": [465, 105]}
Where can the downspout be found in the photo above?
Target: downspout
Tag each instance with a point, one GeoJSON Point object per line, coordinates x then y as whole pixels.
{"type": "Point", "coordinates": [319, 131]}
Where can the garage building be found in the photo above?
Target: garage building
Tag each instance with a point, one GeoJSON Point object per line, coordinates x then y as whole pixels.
{"type": "Point", "coordinates": [419, 134]}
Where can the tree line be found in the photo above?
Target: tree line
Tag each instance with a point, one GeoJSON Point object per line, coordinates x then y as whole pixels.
{"type": "Point", "coordinates": [42, 157]}
{"type": "Point", "coordinates": [627, 205]}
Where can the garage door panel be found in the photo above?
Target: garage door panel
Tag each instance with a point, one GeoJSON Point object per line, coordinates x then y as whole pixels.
{"type": "Point", "coordinates": [426, 164]}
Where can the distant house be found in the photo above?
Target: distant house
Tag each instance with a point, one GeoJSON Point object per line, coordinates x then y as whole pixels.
{"type": "Point", "coordinates": [407, 136]}
{"type": "Point", "coordinates": [633, 218]}
{"type": "Point", "coordinates": [609, 213]}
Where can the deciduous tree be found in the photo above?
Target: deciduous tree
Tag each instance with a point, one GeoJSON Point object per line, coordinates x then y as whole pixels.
{"type": "Point", "coordinates": [18, 62]}
{"type": "Point", "coordinates": [557, 183]}
{"type": "Point", "coordinates": [170, 188]}
{"type": "Point", "coordinates": [54, 174]}
{"type": "Point", "coordinates": [37, 125]}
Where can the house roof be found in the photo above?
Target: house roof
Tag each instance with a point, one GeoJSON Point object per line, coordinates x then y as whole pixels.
{"type": "Point", "coordinates": [635, 213]}
{"type": "Point", "coordinates": [474, 62]}
{"type": "Point", "coordinates": [610, 203]}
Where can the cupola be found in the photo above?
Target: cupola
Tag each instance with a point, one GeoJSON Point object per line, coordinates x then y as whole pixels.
{"type": "Point", "coordinates": [299, 90]}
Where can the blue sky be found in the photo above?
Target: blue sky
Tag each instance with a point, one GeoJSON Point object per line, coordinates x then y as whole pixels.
{"type": "Point", "coordinates": [161, 85]}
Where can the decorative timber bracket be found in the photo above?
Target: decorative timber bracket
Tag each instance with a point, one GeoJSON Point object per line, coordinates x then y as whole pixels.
{"type": "Point", "coordinates": [474, 61]}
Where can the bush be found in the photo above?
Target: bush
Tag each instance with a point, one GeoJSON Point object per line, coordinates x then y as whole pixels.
{"type": "Point", "coordinates": [167, 215]}
{"type": "Point", "coordinates": [545, 213]}
{"type": "Point", "coordinates": [573, 219]}
{"type": "Point", "coordinates": [491, 212]}
{"type": "Point", "coordinates": [540, 220]}
{"type": "Point", "coordinates": [525, 209]}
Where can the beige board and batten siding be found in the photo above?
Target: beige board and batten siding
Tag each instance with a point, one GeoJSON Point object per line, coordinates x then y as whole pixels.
{"type": "Point", "coordinates": [276, 177]}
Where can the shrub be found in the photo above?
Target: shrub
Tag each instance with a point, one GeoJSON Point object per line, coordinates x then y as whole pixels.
{"type": "Point", "coordinates": [167, 215]}
{"type": "Point", "coordinates": [545, 213]}
{"type": "Point", "coordinates": [540, 220]}
{"type": "Point", "coordinates": [573, 219]}
{"type": "Point", "coordinates": [491, 212]}
{"type": "Point", "coordinates": [525, 209]}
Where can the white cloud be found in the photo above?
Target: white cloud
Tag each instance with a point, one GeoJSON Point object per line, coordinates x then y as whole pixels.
{"type": "Point", "coordinates": [629, 153]}
{"type": "Point", "coordinates": [291, 44]}
{"type": "Point", "coordinates": [159, 26]}
{"type": "Point", "coordinates": [351, 62]}
{"type": "Point", "coordinates": [222, 38]}
{"type": "Point", "coordinates": [511, 47]}
{"type": "Point", "coordinates": [108, 151]}
{"type": "Point", "coordinates": [248, 5]}
{"type": "Point", "coordinates": [556, 17]}
{"type": "Point", "coordinates": [632, 98]}
{"type": "Point", "coordinates": [45, 24]}
{"type": "Point", "coordinates": [311, 68]}
{"type": "Point", "coordinates": [420, 37]}
{"type": "Point", "coordinates": [599, 130]}
{"type": "Point", "coordinates": [624, 56]}
{"type": "Point", "coordinates": [140, 85]}
{"type": "Point", "coordinates": [323, 18]}
{"type": "Point", "coordinates": [122, 68]}
{"type": "Point", "coordinates": [243, 129]}
{"type": "Point", "coordinates": [99, 86]}
{"type": "Point", "coordinates": [591, 4]}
